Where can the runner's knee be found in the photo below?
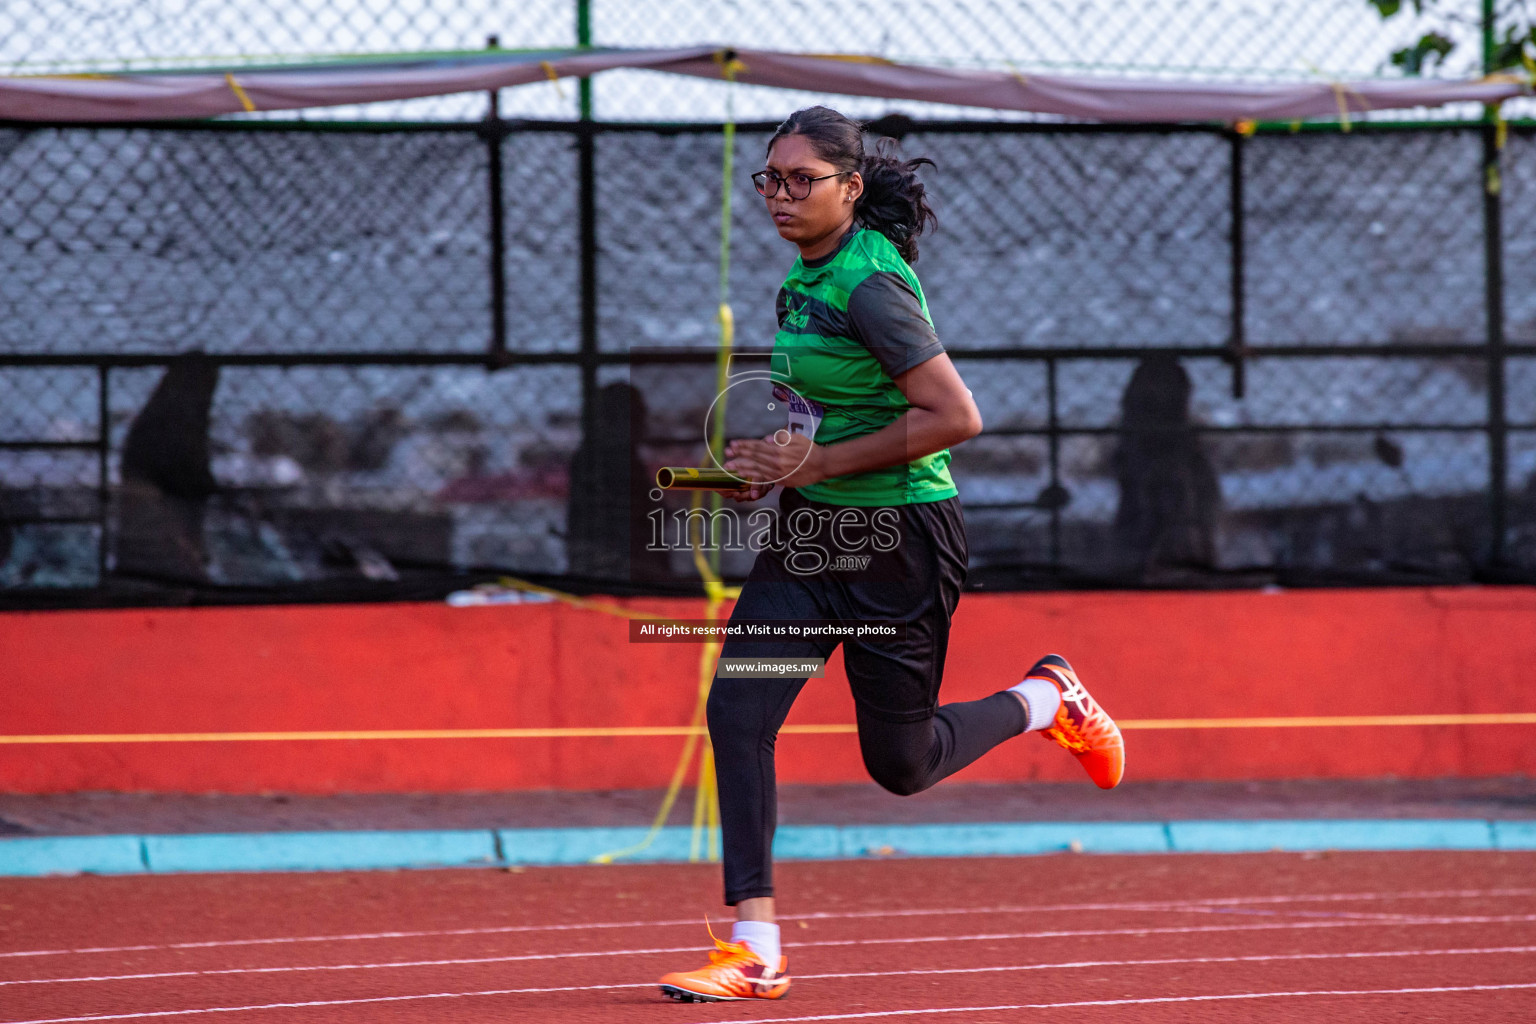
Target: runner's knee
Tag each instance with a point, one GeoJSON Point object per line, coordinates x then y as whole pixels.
{"type": "Point", "coordinates": [735, 720]}
{"type": "Point", "coordinates": [896, 773]}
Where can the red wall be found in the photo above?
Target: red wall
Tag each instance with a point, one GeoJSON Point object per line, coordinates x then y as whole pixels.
{"type": "Point", "coordinates": [428, 666]}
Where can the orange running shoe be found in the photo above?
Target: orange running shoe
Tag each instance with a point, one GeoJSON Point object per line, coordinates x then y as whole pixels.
{"type": "Point", "coordinates": [734, 972]}
{"type": "Point", "coordinates": [1081, 725]}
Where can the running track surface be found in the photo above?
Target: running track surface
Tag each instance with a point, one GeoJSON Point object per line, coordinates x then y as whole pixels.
{"type": "Point", "coordinates": [1256, 937]}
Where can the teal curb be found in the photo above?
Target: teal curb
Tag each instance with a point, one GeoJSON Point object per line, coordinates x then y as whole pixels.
{"type": "Point", "coordinates": [1514, 835]}
{"type": "Point", "coordinates": [810, 842]}
{"type": "Point", "coordinates": [1363, 834]}
{"type": "Point", "coordinates": [338, 851]}
{"type": "Point", "coordinates": [72, 855]}
{"type": "Point", "coordinates": [584, 845]}
{"type": "Point", "coordinates": [1003, 840]}
{"type": "Point", "coordinates": [317, 851]}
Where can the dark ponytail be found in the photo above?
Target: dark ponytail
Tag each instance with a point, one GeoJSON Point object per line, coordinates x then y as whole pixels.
{"type": "Point", "coordinates": [894, 202]}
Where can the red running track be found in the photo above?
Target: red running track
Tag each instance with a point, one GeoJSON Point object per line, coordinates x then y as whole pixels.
{"type": "Point", "coordinates": [1265, 937]}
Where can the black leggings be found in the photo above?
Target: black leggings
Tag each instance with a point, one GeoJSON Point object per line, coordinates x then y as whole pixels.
{"type": "Point", "coordinates": [908, 741]}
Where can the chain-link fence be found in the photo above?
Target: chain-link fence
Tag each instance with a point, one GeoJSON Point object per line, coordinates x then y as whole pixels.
{"type": "Point", "coordinates": [290, 361]}
{"type": "Point", "coordinates": [1207, 39]}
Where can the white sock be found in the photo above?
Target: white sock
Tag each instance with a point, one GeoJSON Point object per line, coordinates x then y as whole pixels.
{"type": "Point", "coordinates": [1042, 698]}
{"type": "Point", "coordinates": [763, 937]}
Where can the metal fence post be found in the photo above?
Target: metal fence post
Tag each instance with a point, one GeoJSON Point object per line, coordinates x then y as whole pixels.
{"type": "Point", "coordinates": [1237, 342]}
{"type": "Point", "coordinates": [1493, 278]}
{"type": "Point", "coordinates": [1053, 428]}
{"type": "Point", "coordinates": [1498, 429]}
{"type": "Point", "coordinates": [586, 218]}
{"type": "Point", "coordinates": [495, 132]}
{"type": "Point", "coordinates": [103, 472]}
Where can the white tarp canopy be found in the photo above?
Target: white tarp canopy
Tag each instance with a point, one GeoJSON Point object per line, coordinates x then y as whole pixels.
{"type": "Point", "coordinates": [156, 96]}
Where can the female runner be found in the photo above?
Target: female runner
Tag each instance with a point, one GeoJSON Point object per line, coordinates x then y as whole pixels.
{"type": "Point", "coordinates": [876, 404]}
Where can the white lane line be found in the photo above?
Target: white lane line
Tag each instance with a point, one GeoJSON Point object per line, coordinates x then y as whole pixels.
{"type": "Point", "coordinates": [1161, 905]}
{"type": "Point", "coordinates": [953, 970]}
{"type": "Point", "coordinates": [1169, 962]}
{"type": "Point", "coordinates": [916, 940]}
{"type": "Point", "coordinates": [353, 967]}
{"type": "Point", "coordinates": [312, 1003]}
{"type": "Point", "coordinates": [1139, 1002]}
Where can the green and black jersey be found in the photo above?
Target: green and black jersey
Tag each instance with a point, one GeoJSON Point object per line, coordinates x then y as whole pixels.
{"type": "Point", "coordinates": [849, 323]}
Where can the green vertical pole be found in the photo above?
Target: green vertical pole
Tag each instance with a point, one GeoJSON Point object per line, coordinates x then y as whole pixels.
{"type": "Point", "coordinates": [584, 39]}
{"type": "Point", "coordinates": [1490, 33]}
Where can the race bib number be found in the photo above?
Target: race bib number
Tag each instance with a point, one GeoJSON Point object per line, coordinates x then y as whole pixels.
{"type": "Point", "coordinates": [804, 414]}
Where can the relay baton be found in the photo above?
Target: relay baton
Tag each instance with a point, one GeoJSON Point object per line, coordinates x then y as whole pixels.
{"type": "Point", "coordinates": [691, 478]}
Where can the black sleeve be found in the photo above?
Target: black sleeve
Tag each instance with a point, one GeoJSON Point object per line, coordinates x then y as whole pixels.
{"type": "Point", "coordinates": [888, 319]}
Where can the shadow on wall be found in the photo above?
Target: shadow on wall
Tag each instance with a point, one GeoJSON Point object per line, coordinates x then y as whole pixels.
{"type": "Point", "coordinates": [1165, 525]}
{"type": "Point", "coordinates": [176, 523]}
{"type": "Point", "coordinates": [167, 479]}
{"type": "Point", "coordinates": [606, 532]}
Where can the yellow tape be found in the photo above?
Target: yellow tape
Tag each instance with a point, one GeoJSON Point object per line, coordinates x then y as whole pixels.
{"type": "Point", "coordinates": [597, 732]}
{"type": "Point", "coordinates": [1330, 721]}
{"type": "Point", "coordinates": [852, 58]}
{"type": "Point", "coordinates": [697, 729]}
{"type": "Point", "coordinates": [234, 87]}
{"type": "Point", "coordinates": [601, 607]}
{"type": "Point", "coordinates": [553, 76]}
{"type": "Point", "coordinates": [1341, 92]}
{"type": "Point", "coordinates": [730, 64]}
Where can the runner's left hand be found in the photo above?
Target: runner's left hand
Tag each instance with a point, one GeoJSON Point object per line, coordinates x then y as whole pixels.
{"type": "Point", "coordinates": [783, 458]}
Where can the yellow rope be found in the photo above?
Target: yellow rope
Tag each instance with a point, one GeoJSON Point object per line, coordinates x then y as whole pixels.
{"type": "Point", "coordinates": [78, 77]}
{"type": "Point", "coordinates": [1330, 721]}
{"type": "Point", "coordinates": [554, 78]}
{"type": "Point", "coordinates": [696, 732]}
{"type": "Point", "coordinates": [706, 807]}
{"type": "Point", "coordinates": [234, 87]}
{"type": "Point", "coordinates": [853, 58]}
{"type": "Point", "coordinates": [696, 729]}
{"type": "Point", "coordinates": [566, 733]}
{"type": "Point", "coordinates": [602, 607]}
{"type": "Point", "coordinates": [712, 809]}
{"type": "Point", "coordinates": [1341, 94]}
{"type": "Point", "coordinates": [1339, 98]}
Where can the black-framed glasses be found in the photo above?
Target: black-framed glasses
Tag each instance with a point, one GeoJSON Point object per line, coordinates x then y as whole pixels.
{"type": "Point", "coordinates": [797, 186]}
